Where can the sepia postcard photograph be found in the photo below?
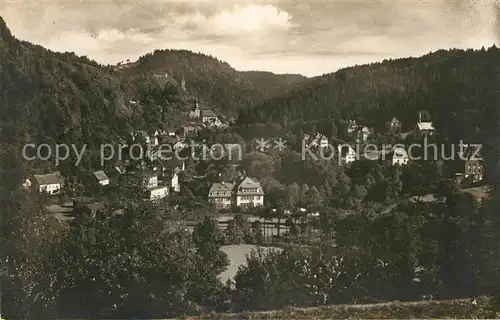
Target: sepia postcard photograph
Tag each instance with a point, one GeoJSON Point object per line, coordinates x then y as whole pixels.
{"type": "Point", "coordinates": [258, 159]}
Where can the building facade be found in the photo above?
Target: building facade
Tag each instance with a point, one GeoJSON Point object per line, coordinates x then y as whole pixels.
{"type": "Point", "coordinates": [249, 193]}
{"type": "Point", "coordinates": [246, 193]}
{"type": "Point", "coordinates": [221, 195]}
{"type": "Point", "coordinates": [49, 183]}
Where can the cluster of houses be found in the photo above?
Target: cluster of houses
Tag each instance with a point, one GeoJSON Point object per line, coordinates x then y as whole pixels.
{"type": "Point", "coordinates": [468, 165]}
{"type": "Point", "coordinates": [362, 133]}
{"type": "Point", "coordinates": [159, 180]}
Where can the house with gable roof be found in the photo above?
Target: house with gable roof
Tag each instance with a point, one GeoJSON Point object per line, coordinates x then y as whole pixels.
{"type": "Point", "coordinates": [221, 195]}
{"type": "Point", "coordinates": [50, 183]}
{"type": "Point", "coordinates": [101, 178]}
{"type": "Point", "coordinates": [249, 192]}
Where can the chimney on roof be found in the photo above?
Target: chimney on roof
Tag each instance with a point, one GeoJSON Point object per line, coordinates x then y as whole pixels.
{"type": "Point", "coordinates": [420, 117]}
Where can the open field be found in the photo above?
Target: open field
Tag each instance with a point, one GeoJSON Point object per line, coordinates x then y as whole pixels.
{"type": "Point", "coordinates": [481, 308]}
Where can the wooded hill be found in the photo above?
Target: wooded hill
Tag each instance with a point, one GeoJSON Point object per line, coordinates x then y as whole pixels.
{"type": "Point", "coordinates": [46, 95]}
{"type": "Point", "coordinates": [214, 82]}
{"type": "Point", "coordinates": [460, 89]}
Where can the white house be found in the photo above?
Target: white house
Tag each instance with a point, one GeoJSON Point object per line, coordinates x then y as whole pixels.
{"type": "Point", "coordinates": [400, 156]}
{"type": "Point", "coordinates": [426, 127]}
{"type": "Point", "coordinates": [151, 181]}
{"type": "Point", "coordinates": [49, 183]}
{"type": "Point", "coordinates": [174, 182]}
{"type": "Point", "coordinates": [101, 177]}
{"type": "Point", "coordinates": [158, 192]}
{"type": "Point", "coordinates": [346, 154]}
{"type": "Point", "coordinates": [249, 192]}
{"type": "Point", "coordinates": [208, 116]}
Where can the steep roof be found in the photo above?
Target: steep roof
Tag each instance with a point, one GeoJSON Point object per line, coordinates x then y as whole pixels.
{"type": "Point", "coordinates": [218, 187]}
{"type": "Point", "coordinates": [249, 183]}
{"type": "Point", "coordinates": [207, 113]}
{"type": "Point", "coordinates": [51, 178]}
{"type": "Point", "coordinates": [100, 175]}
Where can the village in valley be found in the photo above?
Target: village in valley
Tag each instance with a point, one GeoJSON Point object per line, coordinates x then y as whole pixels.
{"type": "Point", "coordinates": [180, 186]}
{"type": "Point", "coordinates": [158, 176]}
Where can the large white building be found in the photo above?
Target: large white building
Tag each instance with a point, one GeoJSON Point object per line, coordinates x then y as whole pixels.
{"type": "Point", "coordinates": [249, 193]}
{"type": "Point", "coordinates": [49, 183]}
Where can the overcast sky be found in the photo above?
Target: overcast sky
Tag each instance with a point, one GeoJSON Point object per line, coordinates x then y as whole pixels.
{"type": "Point", "coordinates": [310, 37]}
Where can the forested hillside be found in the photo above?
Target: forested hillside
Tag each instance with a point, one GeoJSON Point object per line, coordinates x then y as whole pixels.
{"type": "Point", "coordinates": [50, 97]}
{"type": "Point", "coordinates": [460, 89]}
{"type": "Point", "coordinates": [214, 82]}
{"type": "Point", "coordinates": [272, 84]}
{"type": "Point", "coordinates": [45, 94]}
